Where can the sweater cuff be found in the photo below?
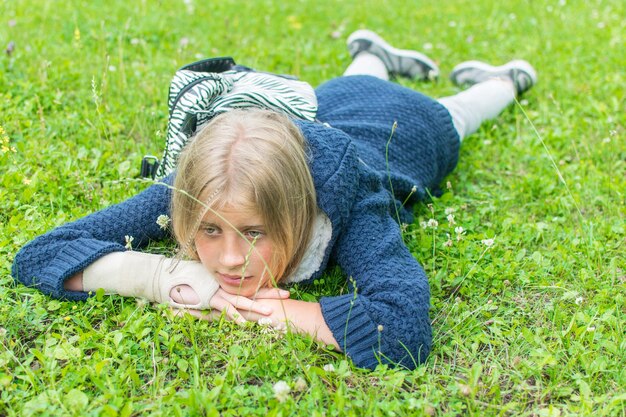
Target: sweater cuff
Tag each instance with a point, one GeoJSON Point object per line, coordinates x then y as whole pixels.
{"type": "Point", "coordinates": [73, 258]}
{"type": "Point", "coordinates": [354, 331]}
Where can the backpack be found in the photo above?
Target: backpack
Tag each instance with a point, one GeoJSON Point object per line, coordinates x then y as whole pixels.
{"type": "Point", "coordinates": [203, 89]}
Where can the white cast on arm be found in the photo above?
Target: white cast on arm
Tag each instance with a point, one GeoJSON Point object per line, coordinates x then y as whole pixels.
{"type": "Point", "coordinates": [137, 274]}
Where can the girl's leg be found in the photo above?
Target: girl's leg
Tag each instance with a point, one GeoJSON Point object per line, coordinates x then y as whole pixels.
{"type": "Point", "coordinates": [367, 64]}
{"type": "Point", "coordinates": [493, 89]}
{"type": "Point", "coordinates": [478, 103]}
{"type": "Point", "coordinates": [373, 56]}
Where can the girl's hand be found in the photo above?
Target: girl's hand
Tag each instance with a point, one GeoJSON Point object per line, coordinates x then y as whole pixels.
{"type": "Point", "coordinates": [301, 316]}
{"type": "Point", "coordinates": [235, 306]}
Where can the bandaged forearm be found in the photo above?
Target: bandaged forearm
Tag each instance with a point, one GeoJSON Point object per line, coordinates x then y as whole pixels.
{"type": "Point", "coordinates": [137, 274]}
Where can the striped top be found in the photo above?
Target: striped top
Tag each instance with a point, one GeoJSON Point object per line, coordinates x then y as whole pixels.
{"type": "Point", "coordinates": [196, 97]}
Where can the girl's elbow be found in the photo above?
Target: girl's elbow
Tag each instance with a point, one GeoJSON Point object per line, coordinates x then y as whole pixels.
{"type": "Point", "coordinates": [408, 340]}
{"type": "Point", "coordinates": [420, 345]}
{"type": "Point", "coordinates": [418, 333]}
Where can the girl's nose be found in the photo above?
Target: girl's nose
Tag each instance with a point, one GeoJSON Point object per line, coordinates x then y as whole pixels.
{"type": "Point", "coordinates": [232, 254]}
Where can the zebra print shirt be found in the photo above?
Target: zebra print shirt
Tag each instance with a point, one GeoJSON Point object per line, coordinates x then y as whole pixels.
{"type": "Point", "coordinates": [196, 97]}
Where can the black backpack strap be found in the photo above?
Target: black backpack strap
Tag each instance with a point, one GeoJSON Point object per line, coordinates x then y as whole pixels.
{"type": "Point", "coordinates": [149, 166]}
{"type": "Point", "coordinates": [219, 64]}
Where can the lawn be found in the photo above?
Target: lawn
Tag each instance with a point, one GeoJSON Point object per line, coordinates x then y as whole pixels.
{"type": "Point", "coordinates": [528, 302]}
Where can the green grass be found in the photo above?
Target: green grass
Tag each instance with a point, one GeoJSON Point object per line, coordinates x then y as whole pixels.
{"type": "Point", "coordinates": [532, 326]}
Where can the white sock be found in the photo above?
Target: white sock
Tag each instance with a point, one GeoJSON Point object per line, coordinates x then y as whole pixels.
{"type": "Point", "coordinates": [480, 102]}
{"type": "Point", "coordinates": [367, 64]}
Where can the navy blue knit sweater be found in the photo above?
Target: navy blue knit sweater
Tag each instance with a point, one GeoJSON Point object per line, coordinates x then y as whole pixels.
{"type": "Point", "coordinates": [385, 318]}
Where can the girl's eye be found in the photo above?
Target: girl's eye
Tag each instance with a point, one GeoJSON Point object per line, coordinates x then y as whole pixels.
{"type": "Point", "coordinates": [253, 234]}
{"type": "Point", "coordinates": [210, 231]}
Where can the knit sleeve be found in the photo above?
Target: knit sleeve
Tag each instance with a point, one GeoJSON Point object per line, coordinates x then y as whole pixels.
{"type": "Point", "coordinates": [385, 318]}
{"type": "Point", "coordinates": [50, 259]}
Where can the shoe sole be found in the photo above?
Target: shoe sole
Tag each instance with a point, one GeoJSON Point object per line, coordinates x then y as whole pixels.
{"type": "Point", "coordinates": [403, 62]}
{"type": "Point", "coordinates": [490, 70]}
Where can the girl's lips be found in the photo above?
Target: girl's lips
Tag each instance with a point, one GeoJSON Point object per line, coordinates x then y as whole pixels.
{"type": "Point", "coordinates": [231, 279]}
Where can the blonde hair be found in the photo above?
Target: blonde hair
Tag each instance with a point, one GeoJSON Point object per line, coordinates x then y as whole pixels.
{"type": "Point", "coordinates": [248, 158]}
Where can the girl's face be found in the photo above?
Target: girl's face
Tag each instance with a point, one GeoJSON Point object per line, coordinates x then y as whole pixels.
{"type": "Point", "coordinates": [236, 253]}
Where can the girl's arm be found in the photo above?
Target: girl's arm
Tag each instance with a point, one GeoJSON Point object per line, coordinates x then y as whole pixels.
{"type": "Point", "coordinates": [385, 317]}
{"type": "Point", "coordinates": [49, 260]}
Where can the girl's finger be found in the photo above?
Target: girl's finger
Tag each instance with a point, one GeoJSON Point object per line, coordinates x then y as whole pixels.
{"type": "Point", "coordinates": [243, 303]}
{"type": "Point", "coordinates": [271, 293]}
{"type": "Point", "coordinates": [252, 316]}
{"type": "Point", "coordinates": [227, 307]}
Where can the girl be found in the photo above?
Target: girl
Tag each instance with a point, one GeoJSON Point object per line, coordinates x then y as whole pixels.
{"type": "Point", "coordinates": [260, 199]}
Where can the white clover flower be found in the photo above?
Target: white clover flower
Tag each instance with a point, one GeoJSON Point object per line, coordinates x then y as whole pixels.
{"type": "Point", "coordinates": [591, 328]}
{"type": "Point", "coordinates": [129, 242]}
{"type": "Point", "coordinates": [300, 384]}
{"type": "Point", "coordinates": [265, 321]}
{"type": "Point", "coordinates": [450, 210]}
{"type": "Point", "coordinates": [488, 242]}
{"type": "Point", "coordinates": [281, 328]}
{"type": "Point", "coordinates": [433, 223]}
{"type": "Point", "coordinates": [414, 189]}
{"type": "Point", "coordinates": [163, 221]}
{"type": "Point", "coordinates": [451, 219]}
{"type": "Point", "coordinates": [423, 224]}
{"type": "Point", "coordinates": [190, 6]}
{"type": "Point", "coordinates": [281, 391]}
{"type": "Point", "coordinates": [329, 367]}
{"type": "Point", "coordinates": [579, 300]}
{"type": "Point", "coordinates": [459, 230]}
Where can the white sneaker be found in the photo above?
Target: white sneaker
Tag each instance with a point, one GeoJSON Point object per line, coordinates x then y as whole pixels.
{"type": "Point", "coordinates": [519, 71]}
{"type": "Point", "coordinates": [406, 63]}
